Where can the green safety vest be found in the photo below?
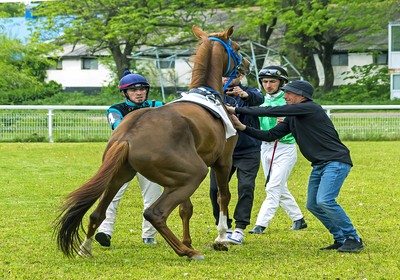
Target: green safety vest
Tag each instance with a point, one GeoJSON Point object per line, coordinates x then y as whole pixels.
{"type": "Point", "coordinates": [266, 123]}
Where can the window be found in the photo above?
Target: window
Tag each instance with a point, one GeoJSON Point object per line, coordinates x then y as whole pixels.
{"type": "Point", "coordinates": [381, 59]}
{"type": "Point", "coordinates": [58, 65]}
{"type": "Point", "coordinates": [90, 63]}
{"type": "Point", "coordinates": [396, 82]}
{"type": "Point", "coordinates": [340, 59]}
{"type": "Point", "coordinates": [167, 64]}
{"type": "Point", "coordinates": [395, 38]}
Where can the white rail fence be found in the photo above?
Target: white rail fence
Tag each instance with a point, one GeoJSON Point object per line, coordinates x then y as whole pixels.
{"type": "Point", "coordinates": [57, 123]}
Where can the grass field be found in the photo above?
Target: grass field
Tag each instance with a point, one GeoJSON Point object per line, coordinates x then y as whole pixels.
{"type": "Point", "coordinates": [35, 177]}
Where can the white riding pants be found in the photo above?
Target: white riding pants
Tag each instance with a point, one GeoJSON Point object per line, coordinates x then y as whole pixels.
{"type": "Point", "coordinates": [150, 192]}
{"type": "Point", "coordinates": [277, 190]}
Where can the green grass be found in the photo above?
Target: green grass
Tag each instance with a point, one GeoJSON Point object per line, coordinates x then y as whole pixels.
{"type": "Point", "coordinates": [36, 176]}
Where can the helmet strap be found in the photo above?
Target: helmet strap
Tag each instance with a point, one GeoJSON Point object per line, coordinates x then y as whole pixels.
{"type": "Point", "coordinates": [127, 96]}
{"type": "Point", "coordinates": [281, 82]}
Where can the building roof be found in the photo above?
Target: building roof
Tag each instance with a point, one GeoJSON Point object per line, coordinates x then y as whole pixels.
{"type": "Point", "coordinates": [362, 42]}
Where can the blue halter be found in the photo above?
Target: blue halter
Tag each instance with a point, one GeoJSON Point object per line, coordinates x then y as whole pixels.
{"type": "Point", "coordinates": [237, 59]}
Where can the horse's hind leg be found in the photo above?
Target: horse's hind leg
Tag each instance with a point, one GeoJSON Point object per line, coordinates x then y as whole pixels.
{"type": "Point", "coordinates": [186, 212]}
{"type": "Point", "coordinates": [160, 210]}
{"type": "Point", "coordinates": [99, 214]}
{"type": "Point", "coordinates": [158, 214]}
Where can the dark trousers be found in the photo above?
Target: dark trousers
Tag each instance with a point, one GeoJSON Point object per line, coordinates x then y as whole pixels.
{"type": "Point", "coordinates": [246, 168]}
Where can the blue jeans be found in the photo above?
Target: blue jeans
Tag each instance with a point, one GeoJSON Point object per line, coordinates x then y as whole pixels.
{"type": "Point", "coordinates": [324, 186]}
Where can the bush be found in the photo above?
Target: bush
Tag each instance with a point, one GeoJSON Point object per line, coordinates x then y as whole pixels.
{"type": "Point", "coordinates": [30, 95]}
{"type": "Point", "coordinates": [371, 86]}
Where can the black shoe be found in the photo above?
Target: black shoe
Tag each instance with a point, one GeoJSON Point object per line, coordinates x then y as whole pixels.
{"type": "Point", "coordinates": [257, 230]}
{"type": "Point", "coordinates": [336, 245]}
{"type": "Point", "coordinates": [149, 241]}
{"type": "Point", "coordinates": [103, 238]}
{"type": "Point", "coordinates": [351, 245]}
{"type": "Point", "coordinates": [299, 224]}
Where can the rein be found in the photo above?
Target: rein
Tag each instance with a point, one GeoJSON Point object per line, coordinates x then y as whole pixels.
{"type": "Point", "coordinates": [237, 59]}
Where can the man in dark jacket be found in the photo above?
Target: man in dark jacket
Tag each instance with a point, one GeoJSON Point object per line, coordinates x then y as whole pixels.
{"type": "Point", "coordinates": [246, 160]}
{"type": "Point", "coordinates": [319, 142]}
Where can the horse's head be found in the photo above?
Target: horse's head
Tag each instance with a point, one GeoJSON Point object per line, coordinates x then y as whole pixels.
{"type": "Point", "coordinates": [236, 63]}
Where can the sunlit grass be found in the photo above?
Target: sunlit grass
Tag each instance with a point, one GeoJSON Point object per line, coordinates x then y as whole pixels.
{"type": "Point", "coordinates": [36, 177]}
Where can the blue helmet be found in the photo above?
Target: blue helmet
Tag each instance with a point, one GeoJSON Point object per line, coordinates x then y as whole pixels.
{"type": "Point", "coordinates": [133, 81]}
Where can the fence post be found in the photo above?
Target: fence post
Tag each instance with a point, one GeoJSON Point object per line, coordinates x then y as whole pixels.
{"type": "Point", "coordinates": [50, 125]}
{"type": "Point", "coordinates": [328, 112]}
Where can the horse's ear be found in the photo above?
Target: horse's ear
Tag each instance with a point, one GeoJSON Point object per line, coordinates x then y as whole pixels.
{"type": "Point", "coordinates": [229, 31]}
{"type": "Point", "coordinates": [199, 32]}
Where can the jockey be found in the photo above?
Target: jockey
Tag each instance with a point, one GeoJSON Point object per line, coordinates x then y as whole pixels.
{"type": "Point", "coordinates": [135, 89]}
{"type": "Point", "coordinates": [132, 87]}
{"type": "Point", "coordinates": [277, 157]}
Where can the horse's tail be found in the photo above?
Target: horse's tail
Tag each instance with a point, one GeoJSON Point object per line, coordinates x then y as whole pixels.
{"type": "Point", "coordinates": [79, 201]}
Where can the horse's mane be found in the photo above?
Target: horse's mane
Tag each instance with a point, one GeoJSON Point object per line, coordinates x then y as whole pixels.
{"type": "Point", "coordinates": [203, 63]}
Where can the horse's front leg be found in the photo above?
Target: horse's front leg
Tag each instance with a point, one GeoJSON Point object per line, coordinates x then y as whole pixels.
{"type": "Point", "coordinates": [224, 196]}
{"type": "Point", "coordinates": [223, 172]}
{"type": "Point", "coordinates": [186, 212]}
{"type": "Point", "coordinates": [222, 177]}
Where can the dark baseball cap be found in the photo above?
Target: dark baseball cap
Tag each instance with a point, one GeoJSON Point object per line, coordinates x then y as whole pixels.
{"type": "Point", "coordinates": [300, 87]}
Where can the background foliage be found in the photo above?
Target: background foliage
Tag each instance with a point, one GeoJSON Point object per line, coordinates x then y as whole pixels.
{"type": "Point", "coordinates": [300, 28]}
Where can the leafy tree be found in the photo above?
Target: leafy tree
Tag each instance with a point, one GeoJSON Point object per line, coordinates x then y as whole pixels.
{"type": "Point", "coordinates": [11, 10]}
{"type": "Point", "coordinates": [308, 27]}
{"type": "Point", "coordinates": [327, 22]}
{"type": "Point", "coordinates": [23, 71]}
{"type": "Point", "coordinates": [123, 26]}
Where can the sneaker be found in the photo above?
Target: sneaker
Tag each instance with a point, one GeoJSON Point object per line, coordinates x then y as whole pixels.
{"type": "Point", "coordinates": [149, 241]}
{"type": "Point", "coordinates": [257, 230]}
{"type": "Point", "coordinates": [103, 238]}
{"type": "Point", "coordinates": [236, 237]}
{"type": "Point", "coordinates": [299, 224]}
{"type": "Point", "coordinates": [351, 244]}
{"type": "Point", "coordinates": [336, 245]}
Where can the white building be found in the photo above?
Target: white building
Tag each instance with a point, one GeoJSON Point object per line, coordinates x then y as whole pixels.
{"type": "Point", "coordinates": [394, 59]}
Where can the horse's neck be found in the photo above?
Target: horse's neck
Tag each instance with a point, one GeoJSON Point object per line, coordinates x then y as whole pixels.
{"type": "Point", "coordinates": [210, 78]}
{"type": "Point", "coordinates": [207, 71]}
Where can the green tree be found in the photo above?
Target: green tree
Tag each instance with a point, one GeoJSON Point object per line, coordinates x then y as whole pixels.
{"type": "Point", "coordinates": [259, 23]}
{"type": "Point", "coordinates": [11, 10]}
{"type": "Point", "coordinates": [123, 26]}
{"type": "Point", "coordinates": [22, 71]}
{"type": "Point", "coordinates": [308, 27]}
{"type": "Point", "coordinates": [328, 22]}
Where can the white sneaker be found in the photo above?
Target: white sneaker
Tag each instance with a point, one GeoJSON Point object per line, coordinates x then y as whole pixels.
{"type": "Point", "coordinates": [236, 237]}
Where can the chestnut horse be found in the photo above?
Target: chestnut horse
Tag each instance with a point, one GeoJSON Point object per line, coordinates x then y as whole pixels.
{"type": "Point", "coordinates": [172, 145]}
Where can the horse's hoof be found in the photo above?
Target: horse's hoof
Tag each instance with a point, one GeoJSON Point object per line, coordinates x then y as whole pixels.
{"type": "Point", "coordinates": [199, 257]}
{"type": "Point", "coordinates": [84, 254]}
{"type": "Point", "coordinates": [218, 246]}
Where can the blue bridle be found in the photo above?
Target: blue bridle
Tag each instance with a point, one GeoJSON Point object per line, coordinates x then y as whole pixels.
{"type": "Point", "coordinates": [237, 59]}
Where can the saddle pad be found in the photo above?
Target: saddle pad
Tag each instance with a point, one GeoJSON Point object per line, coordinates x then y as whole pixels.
{"type": "Point", "coordinates": [212, 104]}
